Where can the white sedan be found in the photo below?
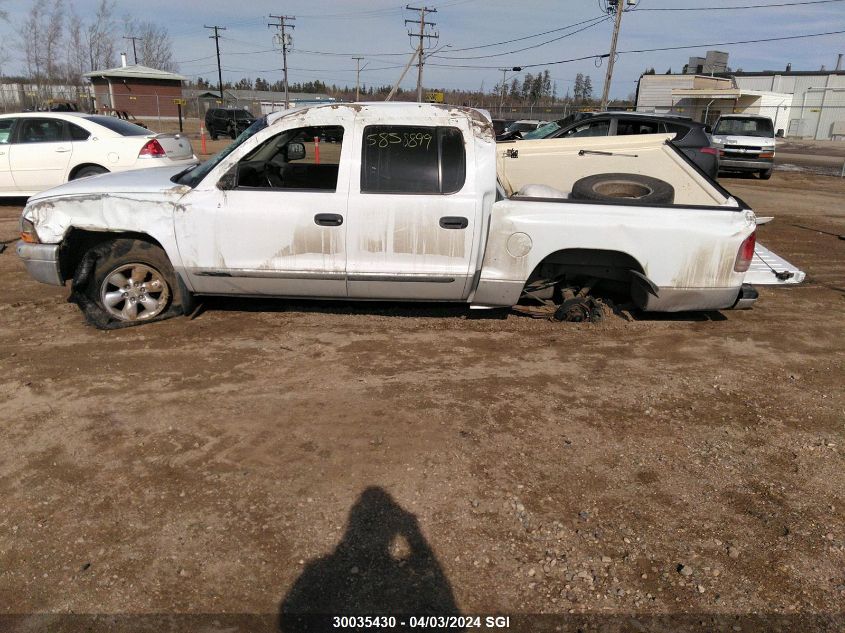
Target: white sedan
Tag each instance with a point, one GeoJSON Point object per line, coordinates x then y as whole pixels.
{"type": "Point", "coordinates": [40, 150]}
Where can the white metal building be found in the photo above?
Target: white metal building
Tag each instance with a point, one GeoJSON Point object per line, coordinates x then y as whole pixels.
{"type": "Point", "coordinates": [804, 104]}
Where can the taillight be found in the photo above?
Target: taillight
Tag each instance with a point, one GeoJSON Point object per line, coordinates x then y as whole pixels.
{"type": "Point", "coordinates": [746, 253]}
{"type": "Point", "coordinates": [152, 149]}
{"type": "Point", "coordinates": [709, 150]}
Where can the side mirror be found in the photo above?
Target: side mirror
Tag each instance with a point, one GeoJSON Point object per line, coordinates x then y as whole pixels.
{"type": "Point", "coordinates": [229, 180]}
{"type": "Point", "coordinates": [295, 151]}
{"type": "Point", "coordinates": [708, 129]}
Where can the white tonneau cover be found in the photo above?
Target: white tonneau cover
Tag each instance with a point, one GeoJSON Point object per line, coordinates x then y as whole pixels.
{"type": "Point", "coordinates": [766, 266]}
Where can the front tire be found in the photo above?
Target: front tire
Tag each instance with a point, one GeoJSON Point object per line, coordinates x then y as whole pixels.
{"type": "Point", "coordinates": [127, 282]}
{"type": "Point", "coordinates": [765, 174]}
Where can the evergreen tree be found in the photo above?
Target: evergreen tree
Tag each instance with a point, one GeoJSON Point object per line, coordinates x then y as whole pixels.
{"type": "Point", "coordinates": [588, 88]}
{"type": "Point", "coordinates": [578, 90]}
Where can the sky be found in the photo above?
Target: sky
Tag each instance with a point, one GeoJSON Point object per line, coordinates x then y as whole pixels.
{"type": "Point", "coordinates": [328, 33]}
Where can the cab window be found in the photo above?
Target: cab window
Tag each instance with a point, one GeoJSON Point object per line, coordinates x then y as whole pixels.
{"type": "Point", "coordinates": [305, 158]}
{"type": "Point", "coordinates": [412, 159]}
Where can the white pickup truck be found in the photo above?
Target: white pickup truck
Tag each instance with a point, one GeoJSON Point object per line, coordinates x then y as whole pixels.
{"type": "Point", "coordinates": [397, 201]}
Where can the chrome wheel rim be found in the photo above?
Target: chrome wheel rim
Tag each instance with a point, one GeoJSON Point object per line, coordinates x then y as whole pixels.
{"type": "Point", "coordinates": [134, 292]}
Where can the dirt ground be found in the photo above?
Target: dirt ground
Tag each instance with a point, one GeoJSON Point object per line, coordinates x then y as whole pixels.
{"type": "Point", "coordinates": [277, 457]}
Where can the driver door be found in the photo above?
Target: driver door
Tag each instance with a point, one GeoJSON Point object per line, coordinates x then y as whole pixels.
{"type": "Point", "coordinates": [278, 219]}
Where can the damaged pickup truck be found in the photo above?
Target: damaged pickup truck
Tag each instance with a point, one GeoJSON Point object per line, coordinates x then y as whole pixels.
{"type": "Point", "coordinates": [406, 202]}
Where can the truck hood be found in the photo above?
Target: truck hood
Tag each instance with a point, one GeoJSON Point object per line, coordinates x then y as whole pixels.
{"type": "Point", "coordinates": [138, 181]}
{"type": "Point", "coordinates": [736, 139]}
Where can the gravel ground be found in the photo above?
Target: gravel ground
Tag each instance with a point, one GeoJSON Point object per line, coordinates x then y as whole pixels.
{"type": "Point", "coordinates": [277, 457]}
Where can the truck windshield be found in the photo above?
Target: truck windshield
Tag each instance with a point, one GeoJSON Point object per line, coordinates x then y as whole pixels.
{"type": "Point", "coordinates": [745, 127]}
{"type": "Point", "coordinates": [194, 176]}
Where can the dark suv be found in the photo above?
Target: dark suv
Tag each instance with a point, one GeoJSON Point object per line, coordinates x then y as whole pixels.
{"type": "Point", "coordinates": [691, 137]}
{"type": "Point", "coordinates": [227, 122]}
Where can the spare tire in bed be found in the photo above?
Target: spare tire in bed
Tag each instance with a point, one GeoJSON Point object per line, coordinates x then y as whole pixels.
{"type": "Point", "coordinates": [634, 187]}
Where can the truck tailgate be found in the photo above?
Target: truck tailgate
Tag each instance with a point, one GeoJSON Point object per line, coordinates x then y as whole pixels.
{"type": "Point", "coordinates": [769, 269]}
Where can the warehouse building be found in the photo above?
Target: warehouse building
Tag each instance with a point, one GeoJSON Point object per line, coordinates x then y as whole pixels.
{"type": "Point", "coordinates": [802, 104]}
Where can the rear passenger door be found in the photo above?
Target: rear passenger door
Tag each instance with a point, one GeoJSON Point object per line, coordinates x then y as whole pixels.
{"type": "Point", "coordinates": [40, 155]}
{"type": "Point", "coordinates": [413, 209]}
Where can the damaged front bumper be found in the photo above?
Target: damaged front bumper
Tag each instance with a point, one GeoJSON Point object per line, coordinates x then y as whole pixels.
{"type": "Point", "coordinates": [41, 261]}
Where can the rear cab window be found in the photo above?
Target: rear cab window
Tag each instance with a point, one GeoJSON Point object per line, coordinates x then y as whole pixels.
{"type": "Point", "coordinates": [412, 159]}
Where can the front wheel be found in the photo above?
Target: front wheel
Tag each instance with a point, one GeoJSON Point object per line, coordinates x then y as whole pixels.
{"type": "Point", "coordinates": [765, 174]}
{"type": "Point", "coordinates": [127, 282]}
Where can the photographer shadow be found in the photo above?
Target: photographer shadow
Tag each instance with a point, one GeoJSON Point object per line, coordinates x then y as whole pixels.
{"type": "Point", "coordinates": [382, 565]}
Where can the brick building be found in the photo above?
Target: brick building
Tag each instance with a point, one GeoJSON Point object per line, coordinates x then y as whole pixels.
{"type": "Point", "coordinates": [137, 90]}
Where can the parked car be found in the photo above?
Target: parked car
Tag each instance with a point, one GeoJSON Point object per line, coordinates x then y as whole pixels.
{"type": "Point", "coordinates": [516, 129]}
{"type": "Point", "coordinates": [418, 204]}
{"type": "Point", "coordinates": [691, 137]}
{"type": "Point", "coordinates": [746, 143]}
{"type": "Point", "coordinates": [39, 150]}
{"type": "Point", "coordinates": [227, 122]}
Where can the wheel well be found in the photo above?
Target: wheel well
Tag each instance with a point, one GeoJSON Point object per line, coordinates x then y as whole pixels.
{"type": "Point", "coordinates": [77, 242]}
{"type": "Point", "coordinates": [587, 262]}
{"type": "Point", "coordinates": [576, 266]}
{"type": "Point", "coordinates": [79, 168]}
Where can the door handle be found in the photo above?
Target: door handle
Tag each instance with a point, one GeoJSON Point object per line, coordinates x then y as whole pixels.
{"type": "Point", "coordinates": [453, 222]}
{"type": "Point", "coordinates": [328, 219]}
{"type": "Point", "coordinates": [62, 150]}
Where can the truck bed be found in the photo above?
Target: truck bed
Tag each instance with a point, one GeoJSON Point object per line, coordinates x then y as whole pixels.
{"type": "Point", "coordinates": [538, 162]}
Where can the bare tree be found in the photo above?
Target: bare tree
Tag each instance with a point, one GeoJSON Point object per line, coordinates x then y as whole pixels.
{"type": "Point", "coordinates": [154, 46]}
{"type": "Point", "coordinates": [76, 51]}
{"type": "Point", "coordinates": [53, 36]}
{"type": "Point", "coordinates": [31, 40]}
{"type": "Point", "coordinates": [100, 37]}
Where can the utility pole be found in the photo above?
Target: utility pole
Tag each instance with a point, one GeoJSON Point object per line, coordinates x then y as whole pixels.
{"type": "Point", "coordinates": [134, 50]}
{"type": "Point", "coordinates": [358, 77]}
{"type": "Point", "coordinates": [422, 34]}
{"type": "Point", "coordinates": [216, 38]}
{"type": "Point", "coordinates": [515, 69]}
{"type": "Point", "coordinates": [620, 9]}
{"type": "Point", "coordinates": [282, 24]}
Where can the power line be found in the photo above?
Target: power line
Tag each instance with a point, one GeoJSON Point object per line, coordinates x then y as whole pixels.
{"type": "Point", "coordinates": [650, 50]}
{"type": "Point", "coordinates": [748, 6]}
{"type": "Point", "coordinates": [520, 39]}
{"type": "Point", "coordinates": [595, 22]}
